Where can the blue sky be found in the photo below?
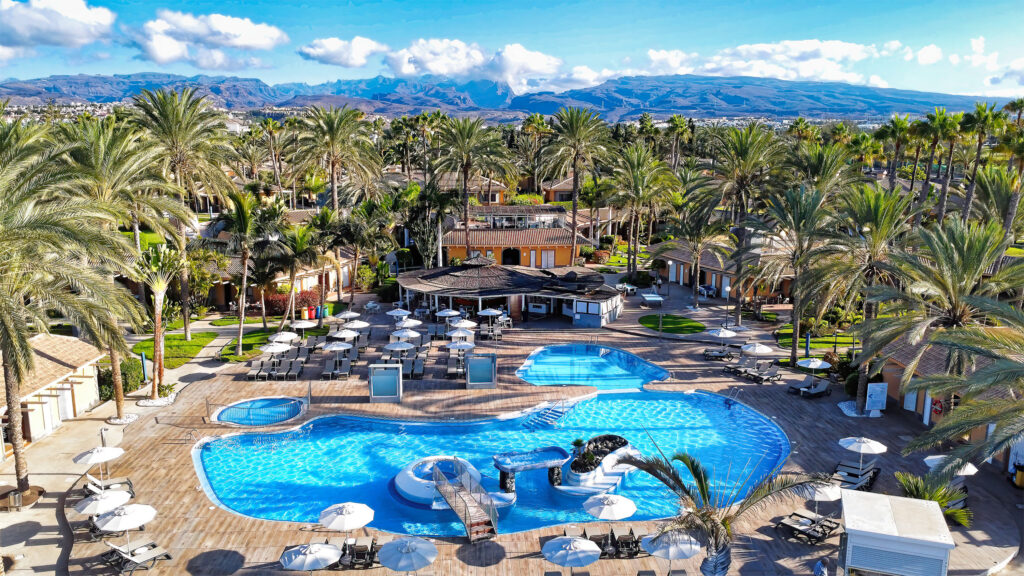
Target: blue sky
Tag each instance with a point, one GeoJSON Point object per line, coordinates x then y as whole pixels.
{"type": "Point", "coordinates": [937, 45]}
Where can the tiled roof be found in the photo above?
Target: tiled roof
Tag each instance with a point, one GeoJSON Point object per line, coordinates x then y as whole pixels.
{"type": "Point", "coordinates": [683, 254]}
{"type": "Point", "coordinates": [512, 237]}
{"type": "Point", "coordinates": [505, 210]}
{"type": "Point", "coordinates": [563, 185]}
{"type": "Point", "coordinates": [299, 216]}
{"type": "Point", "coordinates": [492, 281]}
{"type": "Point", "coordinates": [448, 181]}
{"type": "Point", "coordinates": [55, 358]}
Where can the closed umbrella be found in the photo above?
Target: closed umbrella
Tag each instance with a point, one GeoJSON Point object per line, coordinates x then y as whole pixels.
{"type": "Point", "coordinates": [357, 325]}
{"type": "Point", "coordinates": [862, 446]}
{"type": "Point", "coordinates": [347, 315]}
{"type": "Point", "coordinates": [674, 545]}
{"type": "Point", "coordinates": [968, 469]}
{"type": "Point", "coordinates": [103, 502]}
{"type": "Point", "coordinates": [344, 334]}
{"type": "Point", "coordinates": [310, 557]}
{"type": "Point", "coordinates": [98, 455]}
{"type": "Point", "coordinates": [398, 312]}
{"type": "Point", "coordinates": [275, 347]}
{"type": "Point", "coordinates": [756, 349]}
{"type": "Point", "coordinates": [571, 552]}
{"type": "Point", "coordinates": [125, 518]}
{"type": "Point", "coordinates": [468, 324]}
{"type": "Point", "coordinates": [283, 337]}
{"type": "Point", "coordinates": [407, 554]}
{"type": "Point", "coordinates": [405, 333]}
{"type": "Point", "coordinates": [813, 363]}
{"type": "Point", "coordinates": [609, 507]}
{"type": "Point", "coordinates": [303, 325]}
{"type": "Point", "coordinates": [821, 493]}
{"type": "Point", "coordinates": [408, 323]}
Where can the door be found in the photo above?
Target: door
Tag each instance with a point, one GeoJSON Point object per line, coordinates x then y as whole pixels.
{"type": "Point", "coordinates": [510, 257]}
{"type": "Point", "coordinates": [547, 258]}
{"type": "Point", "coordinates": [533, 258]}
{"type": "Point", "coordinates": [65, 404]}
{"type": "Point", "coordinates": [46, 409]}
{"type": "Point", "coordinates": [910, 401]}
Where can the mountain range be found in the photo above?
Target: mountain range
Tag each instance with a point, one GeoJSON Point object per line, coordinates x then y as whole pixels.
{"type": "Point", "coordinates": [617, 99]}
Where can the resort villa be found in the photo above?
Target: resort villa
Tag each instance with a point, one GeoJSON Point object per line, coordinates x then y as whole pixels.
{"type": "Point", "coordinates": [535, 236]}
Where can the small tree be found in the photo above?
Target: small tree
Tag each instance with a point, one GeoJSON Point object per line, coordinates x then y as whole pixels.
{"type": "Point", "coordinates": [157, 267]}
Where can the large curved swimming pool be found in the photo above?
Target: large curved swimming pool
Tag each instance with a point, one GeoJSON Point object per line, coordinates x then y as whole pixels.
{"type": "Point", "coordinates": [293, 475]}
{"type": "Point", "coordinates": [577, 364]}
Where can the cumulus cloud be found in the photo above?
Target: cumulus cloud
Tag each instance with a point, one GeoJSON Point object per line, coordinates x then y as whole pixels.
{"type": "Point", "coordinates": [201, 40]}
{"type": "Point", "coordinates": [930, 54]}
{"type": "Point", "coordinates": [891, 47]}
{"type": "Point", "coordinates": [522, 69]}
{"type": "Point", "coordinates": [954, 59]}
{"type": "Point", "coordinates": [1012, 73]}
{"type": "Point", "coordinates": [978, 58]}
{"type": "Point", "coordinates": [441, 56]}
{"type": "Point", "coordinates": [69, 23]}
{"type": "Point", "coordinates": [671, 61]}
{"type": "Point", "coordinates": [346, 53]}
{"type": "Point", "coordinates": [826, 60]}
{"type": "Point", "coordinates": [877, 81]}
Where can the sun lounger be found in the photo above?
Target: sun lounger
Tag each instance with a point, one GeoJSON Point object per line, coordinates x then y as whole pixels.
{"type": "Point", "coordinates": [328, 371]}
{"type": "Point", "coordinates": [854, 482]}
{"type": "Point", "coordinates": [361, 552]}
{"type": "Point", "coordinates": [344, 368]}
{"type": "Point", "coordinates": [453, 367]}
{"type": "Point", "coordinates": [812, 530]}
{"type": "Point", "coordinates": [114, 549]}
{"type": "Point", "coordinates": [295, 371]}
{"type": "Point", "coordinates": [769, 375]}
{"type": "Point", "coordinates": [122, 483]}
{"type": "Point", "coordinates": [744, 363]}
{"type": "Point", "coordinates": [718, 354]}
{"type": "Point", "coordinates": [819, 388]}
{"type": "Point", "coordinates": [864, 466]}
{"type": "Point", "coordinates": [603, 541]}
{"type": "Point", "coordinates": [572, 532]}
{"type": "Point", "coordinates": [143, 559]}
{"type": "Point", "coordinates": [796, 387]}
{"type": "Point", "coordinates": [417, 369]}
{"type": "Point", "coordinates": [254, 371]}
{"type": "Point", "coordinates": [407, 368]}
{"type": "Point", "coordinates": [362, 341]}
{"type": "Point", "coordinates": [627, 543]}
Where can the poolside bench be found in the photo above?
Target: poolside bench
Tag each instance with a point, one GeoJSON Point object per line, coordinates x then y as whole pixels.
{"type": "Point", "coordinates": [328, 371]}
{"type": "Point", "coordinates": [254, 371]}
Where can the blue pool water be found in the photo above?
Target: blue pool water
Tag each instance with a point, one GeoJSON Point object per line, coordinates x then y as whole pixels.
{"type": "Point", "coordinates": [294, 475]}
{"type": "Point", "coordinates": [261, 411]}
{"type": "Point", "coordinates": [588, 365]}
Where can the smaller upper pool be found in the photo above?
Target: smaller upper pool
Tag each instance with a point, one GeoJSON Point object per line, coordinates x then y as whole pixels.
{"type": "Point", "coordinates": [260, 411]}
{"type": "Point", "coordinates": [588, 365]}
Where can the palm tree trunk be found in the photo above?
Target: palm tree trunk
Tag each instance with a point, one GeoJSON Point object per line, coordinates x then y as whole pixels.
{"type": "Point", "coordinates": [465, 204]}
{"type": "Point", "coordinates": [158, 344]}
{"type": "Point", "coordinates": [926, 184]}
{"type": "Point", "coordinates": [944, 196]}
{"type": "Point", "coordinates": [241, 302]}
{"type": "Point", "coordinates": [575, 207]}
{"type": "Point", "coordinates": [186, 308]}
{"type": "Point", "coordinates": [895, 166]}
{"type": "Point", "coordinates": [1011, 216]}
{"type": "Point", "coordinates": [695, 279]}
{"type": "Point", "coordinates": [717, 561]}
{"type": "Point", "coordinates": [334, 185]}
{"type": "Point", "coordinates": [263, 305]}
{"type": "Point", "coordinates": [352, 278]}
{"type": "Point", "coordinates": [741, 241]}
{"type": "Point", "coordinates": [118, 381]}
{"type": "Point", "coordinates": [862, 369]}
{"type": "Point", "coordinates": [969, 199]}
{"type": "Point", "coordinates": [324, 284]}
{"type": "Point", "coordinates": [913, 173]}
{"type": "Point", "coordinates": [290, 307]}
{"type": "Point", "coordinates": [794, 346]}
{"type": "Point", "coordinates": [12, 388]}
{"type": "Point", "coordinates": [440, 238]}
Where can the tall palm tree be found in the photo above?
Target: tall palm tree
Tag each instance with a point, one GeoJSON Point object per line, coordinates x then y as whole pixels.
{"type": "Point", "coordinates": [248, 153]}
{"type": "Point", "coordinates": [872, 224]}
{"type": "Point", "coordinates": [840, 134]}
{"type": "Point", "coordinates": [950, 135]}
{"type": "Point", "coordinates": [998, 199]}
{"type": "Point", "coordinates": [341, 140]}
{"type": "Point", "coordinates": [932, 128]}
{"type": "Point", "coordinates": [983, 121]}
{"type": "Point", "coordinates": [48, 242]}
{"type": "Point", "coordinates": [824, 166]}
{"type": "Point", "coordinates": [641, 178]}
{"type": "Point", "coordinates": [299, 250]}
{"type": "Point", "coordinates": [596, 193]}
{"type": "Point", "coordinates": [917, 140]}
{"type": "Point", "coordinates": [865, 148]}
{"type": "Point", "coordinates": [705, 510]}
{"type": "Point", "coordinates": [896, 131]}
{"type": "Point", "coordinates": [324, 223]}
{"type": "Point", "coordinates": [579, 140]}
{"type": "Point", "coordinates": [802, 130]}
{"type": "Point", "coordinates": [192, 140]}
{"type": "Point", "coordinates": [746, 157]}
{"type": "Point", "coordinates": [263, 271]}
{"type": "Point", "coordinates": [156, 267]}
{"type": "Point", "coordinates": [697, 227]}
{"type": "Point", "coordinates": [1015, 106]}
{"type": "Point", "coordinates": [469, 148]}
{"type": "Point", "coordinates": [678, 130]}
{"type": "Point", "coordinates": [793, 227]}
{"type": "Point", "coordinates": [271, 130]}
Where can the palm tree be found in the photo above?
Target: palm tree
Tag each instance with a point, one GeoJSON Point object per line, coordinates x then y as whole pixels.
{"type": "Point", "coordinates": [710, 513]}
{"type": "Point", "coordinates": [596, 193]}
{"type": "Point", "coordinates": [324, 223]}
{"type": "Point", "coordinates": [865, 147]}
{"type": "Point", "coordinates": [998, 199]}
{"type": "Point", "coordinates": [678, 130]}
{"type": "Point", "coordinates": [746, 158]}
{"type": "Point", "coordinates": [341, 140]}
{"type": "Point", "coordinates": [802, 130]}
{"type": "Point", "coordinates": [299, 250]}
{"type": "Point", "coordinates": [872, 225]}
{"type": "Point", "coordinates": [157, 267]}
{"type": "Point", "coordinates": [950, 135]}
{"type": "Point", "coordinates": [793, 227]}
{"type": "Point", "coordinates": [933, 128]}
{"type": "Point", "coordinates": [249, 154]}
{"type": "Point", "coordinates": [468, 148]}
{"type": "Point", "coordinates": [191, 138]}
{"type": "Point", "coordinates": [939, 491]}
{"type": "Point", "coordinates": [983, 121]}
{"type": "Point", "coordinates": [1015, 106]}
{"type": "Point", "coordinates": [825, 166]}
{"type": "Point", "coordinates": [48, 243]}
{"type": "Point", "coordinates": [578, 142]}
{"type": "Point", "coordinates": [840, 134]}
{"type": "Point", "coordinates": [640, 178]}
{"type": "Point", "coordinates": [271, 128]}
{"type": "Point", "coordinates": [897, 131]}
{"type": "Point", "coordinates": [917, 139]}
{"type": "Point", "coordinates": [696, 226]}
{"type": "Point", "coordinates": [262, 274]}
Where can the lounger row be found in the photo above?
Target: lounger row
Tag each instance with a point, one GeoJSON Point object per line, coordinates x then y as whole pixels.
{"type": "Point", "coordinates": [751, 369]}
{"type": "Point", "coordinates": [810, 387]}
{"type": "Point", "coordinates": [411, 367]}
{"type": "Point", "coordinates": [139, 557]}
{"type": "Point", "coordinates": [807, 526]}
{"type": "Point", "coordinates": [621, 542]}
{"type": "Point", "coordinates": [856, 475]}
{"type": "Point", "coordinates": [287, 370]}
{"type": "Point", "coordinates": [336, 368]}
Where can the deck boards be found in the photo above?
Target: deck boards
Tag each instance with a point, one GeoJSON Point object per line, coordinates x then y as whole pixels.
{"type": "Point", "coordinates": [207, 540]}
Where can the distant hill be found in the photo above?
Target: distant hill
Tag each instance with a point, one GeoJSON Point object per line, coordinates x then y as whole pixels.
{"type": "Point", "coordinates": [617, 99]}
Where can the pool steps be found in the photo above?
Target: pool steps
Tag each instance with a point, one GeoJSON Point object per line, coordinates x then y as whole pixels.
{"type": "Point", "coordinates": [548, 417]}
{"type": "Point", "coordinates": [605, 478]}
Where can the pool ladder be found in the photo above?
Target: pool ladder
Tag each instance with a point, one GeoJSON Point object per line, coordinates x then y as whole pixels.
{"type": "Point", "coordinates": [548, 417]}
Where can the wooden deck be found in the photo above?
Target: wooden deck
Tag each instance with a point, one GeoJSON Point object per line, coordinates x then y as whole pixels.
{"type": "Point", "coordinates": [207, 540]}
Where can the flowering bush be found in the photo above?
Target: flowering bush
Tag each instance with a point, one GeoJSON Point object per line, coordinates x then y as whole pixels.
{"type": "Point", "coordinates": [276, 303]}
{"type": "Point", "coordinates": [600, 256]}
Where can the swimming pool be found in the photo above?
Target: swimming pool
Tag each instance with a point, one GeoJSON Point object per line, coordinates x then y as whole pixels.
{"type": "Point", "coordinates": [588, 365]}
{"type": "Point", "coordinates": [293, 475]}
{"type": "Point", "coordinates": [260, 411]}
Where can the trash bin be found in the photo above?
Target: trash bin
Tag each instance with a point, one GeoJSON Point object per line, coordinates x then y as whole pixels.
{"type": "Point", "coordinates": [1018, 477]}
{"type": "Point", "coordinates": [305, 313]}
{"type": "Point", "coordinates": [311, 312]}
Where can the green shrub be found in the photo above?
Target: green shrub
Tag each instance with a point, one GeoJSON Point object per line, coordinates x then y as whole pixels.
{"type": "Point", "coordinates": [608, 240]}
{"type": "Point", "coordinates": [640, 279]}
{"type": "Point", "coordinates": [587, 252]}
{"type": "Point", "coordinates": [525, 200]}
{"type": "Point", "coordinates": [455, 261]}
{"type": "Point", "coordinates": [850, 384]}
{"type": "Point", "coordinates": [388, 290]}
{"type": "Point", "coordinates": [366, 277]}
{"type": "Point", "coordinates": [165, 390]}
{"type": "Point", "coordinates": [404, 257]}
{"type": "Point", "coordinates": [906, 171]}
{"type": "Point", "coordinates": [131, 378]}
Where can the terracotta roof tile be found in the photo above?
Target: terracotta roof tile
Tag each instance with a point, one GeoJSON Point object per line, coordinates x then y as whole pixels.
{"type": "Point", "coordinates": [56, 357]}
{"type": "Point", "coordinates": [512, 237]}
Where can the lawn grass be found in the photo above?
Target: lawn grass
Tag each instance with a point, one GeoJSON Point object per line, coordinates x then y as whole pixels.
{"type": "Point", "coordinates": [176, 350]}
{"type": "Point", "coordinates": [252, 340]}
{"type": "Point", "coordinates": [672, 324]}
{"type": "Point", "coordinates": [146, 238]}
{"type": "Point", "coordinates": [842, 340]}
{"type": "Point", "coordinates": [1015, 252]}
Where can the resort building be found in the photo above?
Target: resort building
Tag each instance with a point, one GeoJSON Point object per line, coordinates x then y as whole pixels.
{"type": "Point", "coordinates": [719, 277]}
{"type": "Point", "coordinates": [486, 190]}
{"type": "Point", "coordinates": [558, 190]}
{"type": "Point", "coordinates": [575, 293]}
{"type": "Point", "coordinates": [536, 236]}
{"type": "Point", "coordinates": [62, 386]}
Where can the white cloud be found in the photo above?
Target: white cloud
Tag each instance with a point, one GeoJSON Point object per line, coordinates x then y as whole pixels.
{"type": "Point", "coordinates": [201, 40]}
{"type": "Point", "coordinates": [826, 60]}
{"type": "Point", "coordinates": [930, 54]}
{"type": "Point", "coordinates": [979, 59]}
{"type": "Point", "coordinates": [978, 45]}
{"type": "Point", "coordinates": [876, 81]}
{"type": "Point", "coordinates": [441, 56]}
{"type": "Point", "coordinates": [1012, 73]}
{"type": "Point", "coordinates": [70, 23]}
{"type": "Point", "coordinates": [347, 53]}
{"type": "Point", "coordinates": [671, 61]}
{"type": "Point", "coordinates": [522, 69]}
{"type": "Point", "coordinates": [890, 47]}
{"type": "Point", "coordinates": [908, 53]}
{"type": "Point", "coordinates": [954, 59]}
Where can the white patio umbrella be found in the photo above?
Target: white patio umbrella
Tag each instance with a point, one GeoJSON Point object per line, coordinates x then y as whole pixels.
{"type": "Point", "coordinates": [490, 314]}
{"type": "Point", "coordinates": [346, 517]}
{"type": "Point", "coordinates": [721, 333]}
{"type": "Point", "coordinates": [756, 349]}
{"type": "Point", "coordinates": [357, 325]}
{"type": "Point", "coordinates": [813, 363]}
{"type": "Point", "coordinates": [968, 469]}
{"type": "Point", "coordinates": [571, 552]}
{"type": "Point", "coordinates": [674, 545]}
{"type": "Point", "coordinates": [283, 337]}
{"type": "Point", "coordinates": [98, 455]}
{"type": "Point", "coordinates": [405, 333]}
{"type": "Point", "coordinates": [464, 324]}
{"type": "Point", "coordinates": [399, 346]}
{"type": "Point", "coordinates": [820, 493]}
{"type": "Point", "coordinates": [448, 313]}
{"type": "Point", "coordinates": [344, 334]}
{"type": "Point", "coordinates": [347, 315]}
{"type": "Point", "coordinates": [125, 518]}
{"type": "Point", "coordinates": [459, 333]}
{"type": "Point", "coordinates": [103, 502]}
{"type": "Point", "coordinates": [862, 446]}
{"type": "Point", "coordinates": [303, 325]}
{"type": "Point", "coordinates": [336, 347]}
{"type": "Point", "coordinates": [275, 347]}
{"type": "Point", "coordinates": [408, 323]}
{"type": "Point", "coordinates": [398, 312]}
{"type": "Point", "coordinates": [609, 507]}
{"type": "Point", "coordinates": [461, 345]}
{"type": "Point", "coordinates": [310, 557]}
{"type": "Point", "coordinates": [407, 554]}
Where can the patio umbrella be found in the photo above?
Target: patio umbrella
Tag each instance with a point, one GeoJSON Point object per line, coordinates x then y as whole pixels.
{"type": "Point", "coordinates": [357, 325]}
{"type": "Point", "coordinates": [862, 446]}
{"type": "Point", "coordinates": [346, 517]}
{"type": "Point", "coordinates": [283, 337]}
{"type": "Point", "coordinates": [490, 314]}
{"type": "Point", "coordinates": [408, 323]}
{"type": "Point", "coordinates": [398, 312]}
{"type": "Point", "coordinates": [756, 349]}
{"type": "Point", "coordinates": [968, 469]}
{"type": "Point", "coordinates": [407, 554]}
{"type": "Point", "coordinates": [347, 315]}
{"type": "Point", "coordinates": [405, 333]}
{"type": "Point", "coordinates": [721, 333]}
{"type": "Point", "coordinates": [303, 325]}
{"type": "Point", "coordinates": [821, 493]}
{"type": "Point", "coordinates": [571, 552]}
{"type": "Point", "coordinates": [464, 324]}
{"type": "Point", "coordinates": [98, 455]}
{"type": "Point", "coordinates": [125, 518]}
{"type": "Point", "coordinates": [399, 346]}
{"type": "Point", "coordinates": [336, 347]}
{"type": "Point", "coordinates": [674, 545]}
{"type": "Point", "coordinates": [461, 345]}
{"type": "Point", "coordinates": [344, 334]}
{"type": "Point", "coordinates": [813, 363]}
{"type": "Point", "coordinates": [609, 507]}
{"type": "Point", "coordinates": [459, 333]}
{"type": "Point", "coordinates": [310, 557]}
{"type": "Point", "coordinates": [103, 502]}
{"type": "Point", "coordinates": [275, 347]}
{"type": "Point", "coordinates": [448, 313]}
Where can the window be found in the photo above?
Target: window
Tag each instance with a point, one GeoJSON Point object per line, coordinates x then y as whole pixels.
{"type": "Point", "coordinates": [547, 258]}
